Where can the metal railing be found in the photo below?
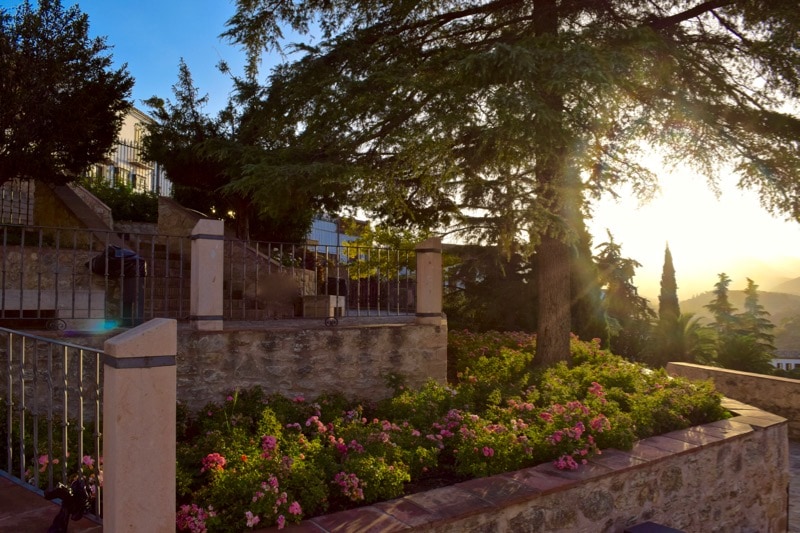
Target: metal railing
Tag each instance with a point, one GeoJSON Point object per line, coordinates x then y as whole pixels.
{"type": "Point", "coordinates": [92, 280]}
{"type": "Point", "coordinates": [266, 280]}
{"type": "Point", "coordinates": [51, 406]}
{"type": "Point", "coordinates": [55, 278]}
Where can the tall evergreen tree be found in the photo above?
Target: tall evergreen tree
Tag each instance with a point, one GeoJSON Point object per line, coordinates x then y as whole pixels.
{"type": "Point", "coordinates": [744, 341]}
{"type": "Point", "coordinates": [668, 335]}
{"type": "Point", "coordinates": [668, 305]}
{"type": "Point", "coordinates": [503, 117]}
{"type": "Point", "coordinates": [722, 309]}
{"type": "Point", "coordinates": [61, 102]}
{"type": "Point", "coordinates": [629, 314]}
{"type": "Point", "coordinates": [754, 321]}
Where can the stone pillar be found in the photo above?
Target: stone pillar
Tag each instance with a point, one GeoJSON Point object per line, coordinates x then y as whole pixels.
{"type": "Point", "coordinates": [429, 282]}
{"type": "Point", "coordinates": [139, 404]}
{"type": "Point", "coordinates": [205, 300]}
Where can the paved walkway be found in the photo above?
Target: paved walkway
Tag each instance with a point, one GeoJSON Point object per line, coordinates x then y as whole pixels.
{"type": "Point", "coordinates": [22, 511]}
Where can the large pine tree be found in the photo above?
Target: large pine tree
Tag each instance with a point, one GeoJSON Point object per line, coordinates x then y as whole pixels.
{"type": "Point", "coordinates": [629, 314]}
{"type": "Point", "coordinates": [754, 320]}
{"type": "Point", "coordinates": [501, 117]}
{"type": "Point", "coordinates": [744, 340]}
{"type": "Point", "coordinates": [722, 309]}
{"type": "Point", "coordinates": [61, 101]}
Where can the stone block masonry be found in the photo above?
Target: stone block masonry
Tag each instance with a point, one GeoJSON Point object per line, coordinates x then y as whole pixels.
{"type": "Point", "coordinates": [352, 358]}
{"type": "Point", "coordinates": [301, 357]}
{"type": "Point", "coordinates": [771, 393]}
{"type": "Point", "coordinates": [730, 476]}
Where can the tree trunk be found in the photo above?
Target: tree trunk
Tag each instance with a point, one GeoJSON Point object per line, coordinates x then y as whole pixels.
{"type": "Point", "coordinates": [557, 191]}
{"type": "Point", "coordinates": [553, 330]}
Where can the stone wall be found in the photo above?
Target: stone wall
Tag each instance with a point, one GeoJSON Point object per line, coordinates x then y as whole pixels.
{"type": "Point", "coordinates": [302, 357]}
{"type": "Point", "coordinates": [352, 359]}
{"type": "Point", "coordinates": [770, 393]}
{"type": "Point", "coordinates": [45, 268]}
{"type": "Point", "coordinates": [730, 476]}
{"type": "Point", "coordinates": [97, 206]}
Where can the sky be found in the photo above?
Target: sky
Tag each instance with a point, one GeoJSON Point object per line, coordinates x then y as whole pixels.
{"type": "Point", "coordinates": [706, 235]}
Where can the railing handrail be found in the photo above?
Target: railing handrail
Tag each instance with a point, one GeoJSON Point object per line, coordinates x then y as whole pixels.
{"type": "Point", "coordinates": [71, 278]}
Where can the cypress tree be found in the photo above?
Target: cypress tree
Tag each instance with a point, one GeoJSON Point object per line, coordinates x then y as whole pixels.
{"type": "Point", "coordinates": [668, 306]}
{"type": "Point", "coordinates": [667, 341]}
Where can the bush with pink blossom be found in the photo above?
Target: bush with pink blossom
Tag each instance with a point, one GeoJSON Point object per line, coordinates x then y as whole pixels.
{"type": "Point", "coordinates": [255, 460]}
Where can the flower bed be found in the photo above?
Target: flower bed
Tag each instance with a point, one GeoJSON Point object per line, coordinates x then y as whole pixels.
{"type": "Point", "coordinates": [255, 460]}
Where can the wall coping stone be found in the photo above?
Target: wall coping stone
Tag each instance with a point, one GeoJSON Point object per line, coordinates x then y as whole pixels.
{"type": "Point", "coordinates": [437, 507]}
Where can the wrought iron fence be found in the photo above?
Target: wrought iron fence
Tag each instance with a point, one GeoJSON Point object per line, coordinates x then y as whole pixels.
{"type": "Point", "coordinates": [51, 404]}
{"type": "Point", "coordinates": [91, 280]}
{"type": "Point", "coordinates": [280, 280]}
{"type": "Point", "coordinates": [57, 278]}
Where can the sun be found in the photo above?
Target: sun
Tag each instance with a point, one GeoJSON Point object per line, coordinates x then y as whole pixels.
{"type": "Point", "coordinates": [706, 234]}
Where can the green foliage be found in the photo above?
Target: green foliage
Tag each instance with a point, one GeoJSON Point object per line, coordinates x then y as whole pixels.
{"type": "Point", "coordinates": [275, 460]}
{"type": "Point", "coordinates": [722, 309]}
{"type": "Point", "coordinates": [629, 314]}
{"type": "Point", "coordinates": [745, 353]}
{"type": "Point", "coordinates": [62, 102]}
{"type": "Point", "coordinates": [744, 340]}
{"type": "Point", "coordinates": [235, 165]}
{"type": "Point", "coordinates": [754, 320]}
{"type": "Point", "coordinates": [685, 339]}
{"type": "Point", "coordinates": [488, 289]}
{"type": "Point", "coordinates": [668, 306]}
{"type": "Point", "coordinates": [46, 462]}
{"type": "Point", "coordinates": [125, 202]}
{"type": "Point", "coordinates": [428, 115]}
{"type": "Point", "coordinates": [381, 252]}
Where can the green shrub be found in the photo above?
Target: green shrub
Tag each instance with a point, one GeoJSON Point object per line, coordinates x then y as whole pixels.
{"type": "Point", "coordinates": [125, 202]}
{"type": "Point", "coordinates": [256, 459]}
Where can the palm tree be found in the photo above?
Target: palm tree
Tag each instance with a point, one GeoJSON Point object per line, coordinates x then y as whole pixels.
{"type": "Point", "coordinates": [685, 339]}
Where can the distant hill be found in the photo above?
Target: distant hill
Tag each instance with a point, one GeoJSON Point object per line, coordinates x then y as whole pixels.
{"type": "Point", "coordinates": [791, 286]}
{"type": "Point", "coordinates": [780, 305]}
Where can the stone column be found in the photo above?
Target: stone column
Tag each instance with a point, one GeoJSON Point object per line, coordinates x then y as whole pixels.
{"type": "Point", "coordinates": [205, 300]}
{"type": "Point", "coordinates": [429, 281]}
{"type": "Point", "coordinates": [139, 404]}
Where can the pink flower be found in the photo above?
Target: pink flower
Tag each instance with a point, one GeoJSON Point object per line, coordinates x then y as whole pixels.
{"type": "Point", "coordinates": [295, 509]}
{"type": "Point", "coordinates": [566, 462]}
{"type": "Point", "coordinates": [213, 462]}
{"type": "Point", "coordinates": [230, 399]}
{"type": "Point", "coordinates": [88, 461]}
{"type": "Point", "coordinates": [252, 519]}
{"type": "Point", "coordinates": [192, 518]}
{"type": "Point", "coordinates": [488, 452]}
{"type": "Point", "coordinates": [268, 444]}
{"type": "Point", "coordinates": [281, 521]}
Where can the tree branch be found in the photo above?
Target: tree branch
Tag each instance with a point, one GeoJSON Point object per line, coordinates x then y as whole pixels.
{"type": "Point", "coordinates": [674, 20]}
